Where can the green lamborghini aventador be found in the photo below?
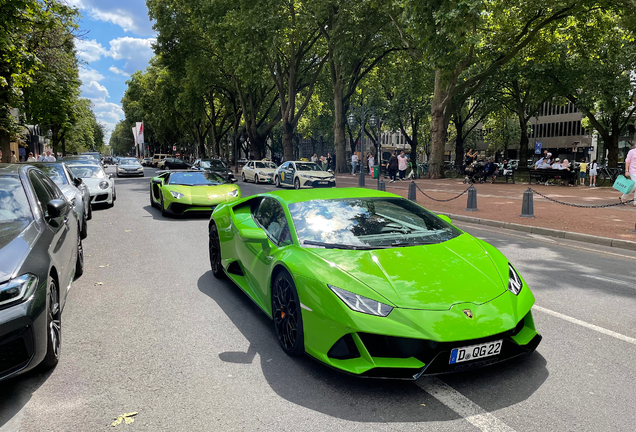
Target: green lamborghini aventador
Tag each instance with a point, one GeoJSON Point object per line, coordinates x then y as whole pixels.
{"type": "Point", "coordinates": [181, 192]}
{"type": "Point", "coordinates": [371, 283]}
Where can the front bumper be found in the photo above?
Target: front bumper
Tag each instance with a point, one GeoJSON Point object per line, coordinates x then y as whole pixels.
{"type": "Point", "coordinates": [181, 209]}
{"type": "Point", "coordinates": [130, 173]}
{"type": "Point", "coordinates": [317, 183]}
{"type": "Point", "coordinates": [103, 196]}
{"type": "Point", "coordinates": [409, 343]}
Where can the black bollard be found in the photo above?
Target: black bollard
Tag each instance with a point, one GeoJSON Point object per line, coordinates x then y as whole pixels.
{"type": "Point", "coordinates": [634, 232]}
{"type": "Point", "coordinates": [471, 205]}
{"type": "Point", "coordinates": [412, 191]}
{"type": "Point", "coordinates": [527, 207]}
{"type": "Point", "coordinates": [382, 185]}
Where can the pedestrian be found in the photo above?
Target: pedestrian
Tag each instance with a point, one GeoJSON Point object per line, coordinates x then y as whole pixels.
{"type": "Point", "coordinates": [31, 158]}
{"type": "Point", "coordinates": [402, 164]}
{"type": "Point", "coordinates": [13, 158]}
{"type": "Point", "coordinates": [630, 171]}
{"type": "Point", "coordinates": [314, 158]}
{"type": "Point", "coordinates": [329, 162]}
{"type": "Point", "coordinates": [393, 167]}
{"type": "Point", "coordinates": [593, 173]}
{"type": "Point", "coordinates": [582, 172]}
{"type": "Point", "coordinates": [371, 161]}
{"type": "Point", "coordinates": [354, 163]}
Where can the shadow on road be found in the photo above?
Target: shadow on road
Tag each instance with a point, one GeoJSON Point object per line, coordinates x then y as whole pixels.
{"type": "Point", "coordinates": [310, 384]}
{"type": "Point", "coordinates": [16, 392]}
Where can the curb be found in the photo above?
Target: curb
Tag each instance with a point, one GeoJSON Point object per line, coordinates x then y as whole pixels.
{"type": "Point", "coordinates": [587, 238]}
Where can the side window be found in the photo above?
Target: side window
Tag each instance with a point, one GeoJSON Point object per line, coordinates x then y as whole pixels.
{"type": "Point", "coordinates": [271, 217]}
{"type": "Point", "coordinates": [285, 165]}
{"type": "Point", "coordinates": [51, 187]}
{"type": "Point", "coordinates": [42, 192]}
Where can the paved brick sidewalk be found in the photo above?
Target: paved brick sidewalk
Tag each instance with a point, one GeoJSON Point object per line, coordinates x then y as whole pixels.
{"type": "Point", "coordinates": [502, 202]}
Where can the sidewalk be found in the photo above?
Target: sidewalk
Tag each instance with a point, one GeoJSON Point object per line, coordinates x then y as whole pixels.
{"type": "Point", "coordinates": [502, 202]}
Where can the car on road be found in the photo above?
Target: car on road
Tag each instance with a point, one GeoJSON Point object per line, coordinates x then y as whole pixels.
{"type": "Point", "coordinates": [94, 155]}
{"type": "Point", "coordinates": [129, 167]}
{"type": "Point", "coordinates": [371, 283]}
{"type": "Point", "coordinates": [216, 166]}
{"type": "Point", "coordinates": [259, 171]}
{"type": "Point", "coordinates": [40, 256]}
{"type": "Point", "coordinates": [146, 162]}
{"type": "Point", "coordinates": [73, 188]}
{"type": "Point", "coordinates": [158, 157]}
{"type": "Point", "coordinates": [300, 174]}
{"type": "Point", "coordinates": [74, 160]}
{"type": "Point", "coordinates": [172, 163]}
{"type": "Point", "coordinates": [190, 191]}
{"type": "Point", "coordinates": [100, 185]}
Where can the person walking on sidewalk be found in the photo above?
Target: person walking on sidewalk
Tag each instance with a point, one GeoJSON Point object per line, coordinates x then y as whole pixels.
{"type": "Point", "coordinates": [593, 173]}
{"type": "Point", "coordinates": [354, 163]}
{"type": "Point", "coordinates": [582, 172]}
{"type": "Point", "coordinates": [371, 161]}
{"type": "Point", "coordinates": [402, 164]}
{"type": "Point", "coordinates": [393, 166]}
{"type": "Point", "coordinates": [630, 171]}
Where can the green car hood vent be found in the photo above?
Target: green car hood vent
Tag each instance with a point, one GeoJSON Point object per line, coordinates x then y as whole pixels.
{"type": "Point", "coordinates": [431, 277]}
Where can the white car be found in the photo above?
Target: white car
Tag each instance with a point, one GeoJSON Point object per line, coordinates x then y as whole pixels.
{"type": "Point", "coordinates": [300, 174]}
{"type": "Point", "coordinates": [259, 171]}
{"type": "Point", "coordinates": [100, 185]}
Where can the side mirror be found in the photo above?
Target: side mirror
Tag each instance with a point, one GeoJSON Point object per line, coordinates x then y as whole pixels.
{"type": "Point", "coordinates": [55, 209]}
{"type": "Point", "coordinates": [445, 218]}
{"type": "Point", "coordinates": [254, 235]}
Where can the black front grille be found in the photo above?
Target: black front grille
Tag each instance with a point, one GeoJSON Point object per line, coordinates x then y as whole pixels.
{"type": "Point", "coordinates": [13, 355]}
{"type": "Point", "coordinates": [100, 197]}
{"type": "Point", "coordinates": [345, 348]}
{"type": "Point", "coordinates": [178, 208]}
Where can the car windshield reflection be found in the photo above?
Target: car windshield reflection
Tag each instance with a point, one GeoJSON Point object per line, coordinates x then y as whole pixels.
{"type": "Point", "coordinates": [195, 179]}
{"type": "Point", "coordinates": [309, 166]}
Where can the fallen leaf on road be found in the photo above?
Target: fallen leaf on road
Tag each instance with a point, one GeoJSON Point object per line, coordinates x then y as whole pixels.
{"type": "Point", "coordinates": [126, 418]}
{"type": "Point", "coordinates": [99, 283]}
{"type": "Point", "coordinates": [423, 404]}
{"type": "Point", "coordinates": [127, 230]}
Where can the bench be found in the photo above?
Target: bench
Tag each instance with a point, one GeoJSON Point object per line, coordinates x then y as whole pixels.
{"type": "Point", "coordinates": [542, 175]}
{"type": "Point", "coordinates": [502, 177]}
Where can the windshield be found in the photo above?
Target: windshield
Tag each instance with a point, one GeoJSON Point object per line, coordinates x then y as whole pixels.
{"type": "Point", "coordinates": [367, 223]}
{"type": "Point", "coordinates": [307, 166]}
{"type": "Point", "coordinates": [53, 171]}
{"type": "Point", "coordinates": [129, 161]}
{"type": "Point", "coordinates": [14, 206]}
{"type": "Point", "coordinates": [265, 165]}
{"type": "Point", "coordinates": [80, 162]}
{"type": "Point", "coordinates": [86, 171]}
{"type": "Point", "coordinates": [214, 164]}
{"type": "Point", "coordinates": [195, 179]}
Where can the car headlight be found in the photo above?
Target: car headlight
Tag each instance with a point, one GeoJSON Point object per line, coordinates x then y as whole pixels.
{"type": "Point", "coordinates": [261, 173]}
{"type": "Point", "coordinates": [234, 192]}
{"type": "Point", "coordinates": [177, 195]}
{"type": "Point", "coordinates": [229, 173]}
{"type": "Point", "coordinates": [103, 185]}
{"type": "Point", "coordinates": [140, 169]}
{"type": "Point", "coordinates": [514, 281]}
{"type": "Point", "coordinates": [18, 289]}
{"type": "Point", "coordinates": [361, 304]}
{"type": "Point", "coordinates": [120, 169]}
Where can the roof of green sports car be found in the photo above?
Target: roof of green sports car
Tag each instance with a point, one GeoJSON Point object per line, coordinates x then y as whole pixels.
{"type": "Point", "coordinates": [293, 196]}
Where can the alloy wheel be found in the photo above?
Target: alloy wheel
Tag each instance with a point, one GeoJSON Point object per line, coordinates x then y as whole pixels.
{"type": "Point", "coordinates": [55, 320]}
{"type": "Point", "coordinates": [286, 311]}
{"type": "Point", "coordinates": [215, 252]}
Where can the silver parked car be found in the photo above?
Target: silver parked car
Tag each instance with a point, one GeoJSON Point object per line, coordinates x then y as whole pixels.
{"type": "Point", "coordinates": [74, 189]}
{"type": "Point", "coordinates": [100, 185]}
{"type": "Point", "coordinates": [129, 167]}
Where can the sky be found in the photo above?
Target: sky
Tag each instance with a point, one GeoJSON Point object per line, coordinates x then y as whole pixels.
{"type": "Point", "coordinates": [117, 41]}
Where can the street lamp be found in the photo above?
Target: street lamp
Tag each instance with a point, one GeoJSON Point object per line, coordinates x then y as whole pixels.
{"type": "Point", "coordinates": [377, 121]}
{"type": "Point", "coordinates": [359, 114]}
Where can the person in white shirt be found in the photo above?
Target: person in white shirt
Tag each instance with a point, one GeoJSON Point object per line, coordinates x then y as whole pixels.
{"type": "Point", "coordinates": [354, 163]}
{"type": "Point", "coordinates": [402, 164]}
{"type": "Point", "coordinates": [31, 158]}
{"type": "Point", "coordinates": [314, 158]}
{"type": "Point", "coordinates": [371, 162]}
{"type": "Point", "coordinates": [556, 164]}
{"type": "Point", "coordinates": [49, 157]}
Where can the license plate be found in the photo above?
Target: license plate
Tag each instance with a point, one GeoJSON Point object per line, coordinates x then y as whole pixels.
{"type": "Point", "coordinates": [475, 352]}
{"type": "Point", "coordinates": [321, 182]}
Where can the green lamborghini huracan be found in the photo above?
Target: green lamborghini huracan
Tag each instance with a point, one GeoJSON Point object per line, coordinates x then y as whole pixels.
{"type": "Point", "coordinates": [182, 191]}
{"type": "Point", "coordinates": [372, 284]}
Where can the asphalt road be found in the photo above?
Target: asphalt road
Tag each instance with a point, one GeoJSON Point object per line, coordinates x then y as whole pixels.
{"type": "Point", "coordinates": [148, 329]}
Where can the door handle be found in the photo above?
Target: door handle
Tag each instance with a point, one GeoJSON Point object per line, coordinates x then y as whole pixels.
{"type": "Point", "coordinates": [66, 220]}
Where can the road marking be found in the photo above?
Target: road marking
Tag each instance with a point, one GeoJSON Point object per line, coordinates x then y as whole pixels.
{"type": "Point", "coordinates": [467, 409]}
{"type": "Point", "coordinates": [616, 281]}
{"type": "Point", "coordinates": [586, 325]}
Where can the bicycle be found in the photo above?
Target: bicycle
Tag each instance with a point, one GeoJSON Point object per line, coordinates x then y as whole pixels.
{"type": "Point", "coordinates": [607, 174]}
{"type": "Point", "coordinates": [454, 171]}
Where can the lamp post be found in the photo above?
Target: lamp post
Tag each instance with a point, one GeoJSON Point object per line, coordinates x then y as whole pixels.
{"type": "Point", "coordinates": [377, 121]}
{"type": "Point", "coordinates": [359, 114]}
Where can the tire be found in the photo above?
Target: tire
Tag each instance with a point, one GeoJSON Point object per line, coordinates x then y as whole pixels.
{"type": "Point", "coordinates": [256, 180]}
{"type": "Point", "coordinates": [164, 213]}
{"type": "Point", "coordinates": [117, 175]}
{"type": "Point", "coordinates": [286, 311]}
{"type": "Point", "coordinates": [114, 195]}
{"type": "Point", "coordinates": [84, 230]}
{"type": "Point", "coordinates": [53, 327]}
{"type": "Point", "coordinates": [601, 178]}
{"type": "Point", "coordinates": [296, 184]}
{"type": "Point", "coordinates": [152, 202]}
{"type": "Point", "coordinates": [90, 211]}
{"type": "Point", "coordinates": [214, 247]}
{"type": "Point", "coordinates": [277, 182]}
{"type": "Point", "coordinates": [79, 264]}
{"type": "Point", "coordinates": [243, 178]}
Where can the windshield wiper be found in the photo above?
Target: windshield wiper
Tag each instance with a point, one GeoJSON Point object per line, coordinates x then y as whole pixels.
{"type": "Point", "coordinates": [340, 246]}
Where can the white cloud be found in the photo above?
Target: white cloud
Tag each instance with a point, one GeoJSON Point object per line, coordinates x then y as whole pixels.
{"type": "Point", "coordinates": [114, 69]}
{"type": "Point", "coordinates": [136, 51]}
{"type": "Point", "coordinates": [90, 50]}
{"type": "Point", "coordinates": [130, 15]}
{"type": "Point", "coordinates": [87, 74]}
{"type": "Point", "coordinates": [94, 90]}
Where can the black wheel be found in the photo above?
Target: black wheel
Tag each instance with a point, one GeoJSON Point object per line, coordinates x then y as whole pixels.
{"type": "Point", "coordinates": [277, 182]}
{"type": "Point", "coordinates": [79, 264]}
{"type": "Point", "coordinates": [152, 202]}
{"type": "Point", "coordinates": [114, 195]}
{"type": "Point", "coordinates": [84, 230]}
{"type": "Point", "coordinates": [215, 252]}
{"type": "Point", "coordinates": [53, 327]}
{"type": "Point", "coordinates": [164, 213]}
{"type": "Point", "coordinates": [117, 174]}
{"type": "Point", "coordinates": [90, 211]}
{"type": "Point", "coordinates": [601, 178]}
{"type": "Point", "coordinates": [256, 180]}
{"type": "Point", "coordinates": [288, 321]}
{"type": "Point", "coordinates": [243, 177]}
{"type": "Point", "coordinates": [296, 184]}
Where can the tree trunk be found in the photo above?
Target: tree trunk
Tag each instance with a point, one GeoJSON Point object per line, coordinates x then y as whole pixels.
{"type": "Point", "coordinates": [523, 143]}
{"type": "Point", "coordinates": [5, 146]}
{"type": "Point", "coordinates": [459, 142]}
{"type": "Point", "coordinates": [339, 126]}
{"type": "Point", "coordinates": [612, 149]}
{"type": "Point", "coordinates": [438, 129]}
{"type": "Point", "coordinates": [288, 140]}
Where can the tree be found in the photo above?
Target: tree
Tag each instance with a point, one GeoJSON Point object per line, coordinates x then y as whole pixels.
{"type": "Point", "coordinates": [502, 130]}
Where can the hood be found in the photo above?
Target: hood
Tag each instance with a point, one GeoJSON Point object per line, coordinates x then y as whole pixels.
{"type": "Point", "coordinates": [16, 240]}
{"type": "Point", "coordinates": [207, 195]}
{"type": "Point", "coordinates": [266, 170]}
{"type": "Point", "coordinates": [431, 277]}
{"type": "Point", "coordinates": [318, 174]}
